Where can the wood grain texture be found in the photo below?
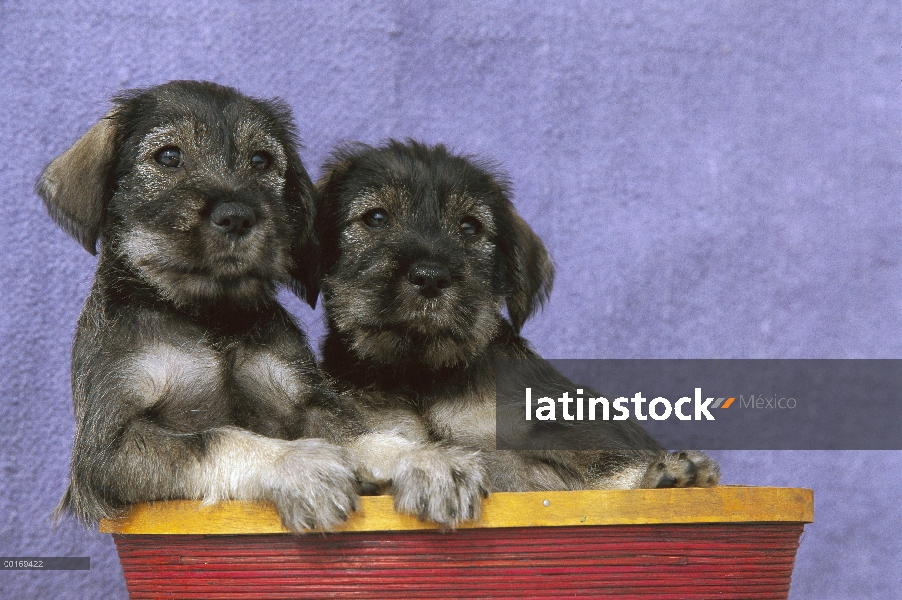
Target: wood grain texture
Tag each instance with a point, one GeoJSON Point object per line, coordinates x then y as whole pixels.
{"type": "Point", "coordinates": [662, 562]}
{"type": "Point", "coordinates": [723, 504]}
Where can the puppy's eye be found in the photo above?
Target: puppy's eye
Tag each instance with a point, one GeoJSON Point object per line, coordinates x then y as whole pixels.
{"type": "Point", "coordinates": [470, 226]}
{"type": "Point", "coordinates": [376, 218]}
{"type": "Point", "coordinates": [170, 156]}
{"type": "Point", "coordinates": [261, 160]}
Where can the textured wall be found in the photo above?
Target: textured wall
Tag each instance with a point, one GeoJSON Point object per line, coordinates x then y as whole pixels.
{"type": "Point", "coordinates": [713, 179]}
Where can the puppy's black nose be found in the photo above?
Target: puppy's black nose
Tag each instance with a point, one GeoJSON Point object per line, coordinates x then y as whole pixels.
{"type": "Point", "coordinates": [429, 278]}
{"type": "Point", "coordinates": [234, 219]}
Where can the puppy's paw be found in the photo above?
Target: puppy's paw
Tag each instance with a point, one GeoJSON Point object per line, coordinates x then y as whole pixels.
{"type": "Point", "coordinates": [682, 469]}
{"type": "Point", "coordinates": [440, 484]}
{"type": "Point", "coordinates": [313, 486]}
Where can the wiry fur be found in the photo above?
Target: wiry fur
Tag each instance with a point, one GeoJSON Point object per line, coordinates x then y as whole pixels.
{"type": "Point", "coordinates": [425, 356]}
{"type": "Point", "coordinates": [189, 380]}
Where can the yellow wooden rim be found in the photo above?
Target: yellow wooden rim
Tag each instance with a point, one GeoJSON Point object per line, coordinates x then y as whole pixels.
{"type": "Point", "coordinates": [723, 504]}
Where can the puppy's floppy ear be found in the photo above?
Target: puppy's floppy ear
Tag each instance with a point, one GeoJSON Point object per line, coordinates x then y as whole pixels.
{"type": "Point", "coordinates": [329, 189]}
{"type": "Point", "coordinates": [77, 184]}
{"type": "Point", "coordinates": [336, 171]}
{"type": "Point", "coordinates": [526, 270]}
{"type": "Point", "coordinates": [300, 198]}
{"type": "Point", "coordinates": [300, 194]}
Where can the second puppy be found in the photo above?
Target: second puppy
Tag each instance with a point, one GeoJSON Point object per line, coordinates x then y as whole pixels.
{"type": "Point", "coordinates": [421, 250]}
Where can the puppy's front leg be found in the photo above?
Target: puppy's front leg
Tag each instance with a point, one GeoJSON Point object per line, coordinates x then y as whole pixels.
{"type": "Point", "coordinates": [443, 484]}
{"type": "Point", "coordinates": [310, 481]}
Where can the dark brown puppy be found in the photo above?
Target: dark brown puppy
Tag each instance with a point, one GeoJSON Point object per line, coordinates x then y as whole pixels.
{"type": "Point", "coordinates": [421, 251]}
{"type": "Point", "coordinates": [189, 380]}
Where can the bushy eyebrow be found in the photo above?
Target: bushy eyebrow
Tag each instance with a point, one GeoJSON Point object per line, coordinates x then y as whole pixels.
{"type": "Point", "coordinates": [464, 204]}
{"type": "Point", "coordinates": [388, 197]}
{"type": "Point", "coordinates": [156, 136]}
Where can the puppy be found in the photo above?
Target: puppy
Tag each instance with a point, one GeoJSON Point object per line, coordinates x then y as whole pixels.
{"type": "Point", "coordinates": [189, 380]}
{"type": "Point", "coordinates": [421, 250]}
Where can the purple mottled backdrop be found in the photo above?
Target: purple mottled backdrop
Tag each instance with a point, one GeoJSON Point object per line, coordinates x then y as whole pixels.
{"type": "Point", "coordinates": [713, 179]}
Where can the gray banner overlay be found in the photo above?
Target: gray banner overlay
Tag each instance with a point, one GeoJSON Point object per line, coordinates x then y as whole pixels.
{"type": "Point", "coordinates": [743, 404]}
{"type": "Point", "coordinates": [45, 563]}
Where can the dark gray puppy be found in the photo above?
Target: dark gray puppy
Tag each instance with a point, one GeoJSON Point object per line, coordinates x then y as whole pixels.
{"type": "Point", "coordinates": [189, 380]}
{"type": "Point", "coordinates": [421, 250]}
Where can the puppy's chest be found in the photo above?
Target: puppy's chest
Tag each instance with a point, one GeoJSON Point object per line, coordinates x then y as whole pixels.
{"type": "Point", "coordinates": [466, 420]}
{"type": "Point", "coordinates": [207, 382]}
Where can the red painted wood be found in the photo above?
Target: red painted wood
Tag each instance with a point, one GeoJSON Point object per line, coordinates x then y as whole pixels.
{"type": "Point", "coordinates": [665, 562]}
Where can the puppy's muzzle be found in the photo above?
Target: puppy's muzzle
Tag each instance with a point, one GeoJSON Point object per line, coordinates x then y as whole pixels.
{"type": "Point", "coordinates": [233, 219]}
{"type": "Point", "coordinates": [430, 279]}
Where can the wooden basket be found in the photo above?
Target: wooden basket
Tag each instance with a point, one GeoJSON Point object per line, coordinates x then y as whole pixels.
{"type": "Point", "coordinates": [723, 542]}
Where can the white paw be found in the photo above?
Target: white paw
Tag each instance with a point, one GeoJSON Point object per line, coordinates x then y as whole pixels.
{"type": "Point", "coordinates": [313, 485]}
{"type": "Point", "coordinates": [687, 468]}
{"type": "Point", "coordinates": [440, 484]}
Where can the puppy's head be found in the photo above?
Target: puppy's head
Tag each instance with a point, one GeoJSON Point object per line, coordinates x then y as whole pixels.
{"type": "Point", "coordinates": [420, 251]}
{"type": "Point", "coordinates": [197, 188]}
